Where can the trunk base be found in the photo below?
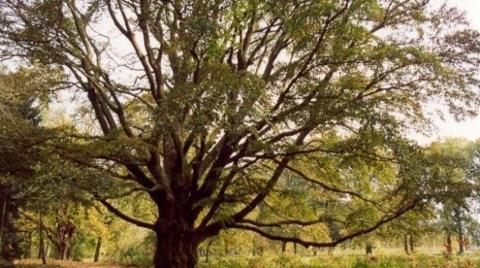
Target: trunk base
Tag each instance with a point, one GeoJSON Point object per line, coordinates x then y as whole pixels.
{"type": "Point", "coordinates": [175, 251]}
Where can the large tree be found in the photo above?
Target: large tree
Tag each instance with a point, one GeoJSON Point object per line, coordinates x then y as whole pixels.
{"type": "Point", "coordinates": [205, 105]}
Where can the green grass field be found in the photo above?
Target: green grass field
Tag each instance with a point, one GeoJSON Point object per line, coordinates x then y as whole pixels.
{"type": "Point", "coordinates": [382, 259]}
{"type": "Point", "coordinates": [426, 257]}
{"type": "Point", "coordinates": [418, 261]}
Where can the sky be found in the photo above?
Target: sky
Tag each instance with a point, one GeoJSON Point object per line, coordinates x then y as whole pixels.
{"type": "Point", "coordinates": [469, 128]}
{"type": "Point", "coordinates": [449, 127]}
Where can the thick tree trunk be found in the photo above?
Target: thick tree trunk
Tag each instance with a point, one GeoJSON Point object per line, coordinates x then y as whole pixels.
{"type": "Point", "coordinates": [175, 250]}
{"type": "Point", "coordinates": [97, 249]}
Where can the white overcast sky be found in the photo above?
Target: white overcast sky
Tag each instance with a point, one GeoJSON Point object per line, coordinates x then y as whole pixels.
{"type": "Point", "coordinates": [470, 128]}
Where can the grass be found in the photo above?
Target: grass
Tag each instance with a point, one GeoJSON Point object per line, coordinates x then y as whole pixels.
{"type": "Point", "coordinates": [346, 261]}
{"type": "Point", "coordinates": [338, 260]}
{"type": "Point", "coordinates": [36, 263]}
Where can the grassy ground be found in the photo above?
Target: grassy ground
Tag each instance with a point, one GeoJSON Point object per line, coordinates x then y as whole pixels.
{"type": "Point", "coordinates": [383, 257]}
{"type": "Point", "coordinates": [418, 261]}
{"type": "Point", "coordinates": [57, 264]}
{"type": "Point", "coordinates": [286, 261]}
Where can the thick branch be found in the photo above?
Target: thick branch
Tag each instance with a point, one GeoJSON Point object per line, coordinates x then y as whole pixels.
{"type": "Point", "coordinates": [334, 243]}
{"type": "Point", "coordinates": [124, 217]}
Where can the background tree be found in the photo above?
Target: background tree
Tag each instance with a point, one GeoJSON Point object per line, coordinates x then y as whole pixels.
{"type": "Point", "coordinates": [455, 160]}
{"type": "Point", "coordinates": [22, 93]}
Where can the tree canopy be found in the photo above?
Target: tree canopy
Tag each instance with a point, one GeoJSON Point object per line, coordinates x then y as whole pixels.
{"type": "Point", "coordinates": [213, 109]}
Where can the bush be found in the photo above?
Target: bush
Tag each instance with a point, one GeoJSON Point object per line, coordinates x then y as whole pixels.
{"type": "Point", "coordinates": [287, 261]}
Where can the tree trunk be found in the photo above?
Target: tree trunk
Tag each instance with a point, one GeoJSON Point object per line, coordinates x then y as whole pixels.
{"type": "Point", "coordinates": [368, 248]}
{"type": "Point", "coordinates": [47, 249]}
{"type": "Point", "coordinates": [405, 244]}
{"type": "Point", "coordinates": [97, 249]}
{"type": "Point", "coordinates": [64, 241]}
{"type": "Point", "coordinates": [284, 246]}
{"type": "Point", "coordinates": [175, 250]}
{"type": "Point", "coordinates": [3, 216]}
{"type": "Point", "coordinates": [461, 244]}
{"type": "Point", "coordinates": [448, 245]}
{"type": "Point", "coordinates": [458, 220]}
{"type": "Point", "coordinates": [412, 244]}
{"type": "Point", "coordinates": [62, 251]}
{"type": "Point", "coordinates": [29, 249]}
{"type": "Point", "coordinates": [41, 246]}
{"type": "Point", "coordinates": [69, 252]}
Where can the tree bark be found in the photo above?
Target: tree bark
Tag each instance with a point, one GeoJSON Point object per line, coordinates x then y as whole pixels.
{"type": "Point", "coordinates": [175, 249]}
{"type": "Point", "coordinates": [97, 249]}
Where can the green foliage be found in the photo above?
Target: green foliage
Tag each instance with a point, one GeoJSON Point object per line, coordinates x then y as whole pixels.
{"type": "Point", "coordinates": [137, 253]}
{"type": "Point", "coordinates": [290, 120]}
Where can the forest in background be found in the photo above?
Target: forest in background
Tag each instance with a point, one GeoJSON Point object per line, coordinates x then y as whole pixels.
{"type": "Point", "coordinates": [235, 133]}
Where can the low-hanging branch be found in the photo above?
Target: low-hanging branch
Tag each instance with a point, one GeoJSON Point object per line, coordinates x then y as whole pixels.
{"type": "Point", "coordinates": [125, 217]}
{"type": "Point", "coordinates": [334, 189]}
{"type": "Point", "coordinates": [384, 220]}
